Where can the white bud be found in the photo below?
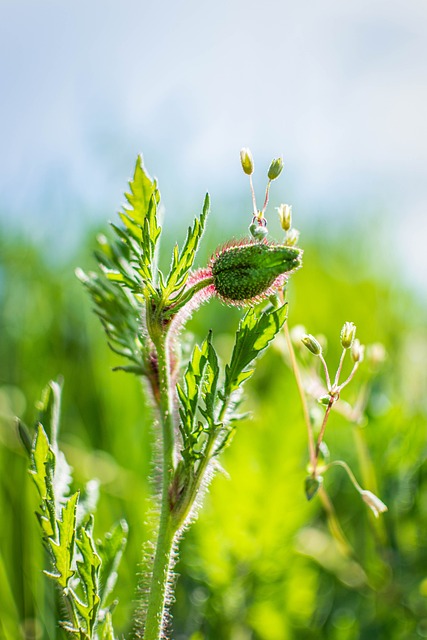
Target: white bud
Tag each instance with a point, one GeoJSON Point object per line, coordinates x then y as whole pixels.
{"type": "Point", "coordinates": [376, 505]}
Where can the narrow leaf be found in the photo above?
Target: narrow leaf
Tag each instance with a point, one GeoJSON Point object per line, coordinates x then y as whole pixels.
{"type": "Point", "coordinates": [110, 551]}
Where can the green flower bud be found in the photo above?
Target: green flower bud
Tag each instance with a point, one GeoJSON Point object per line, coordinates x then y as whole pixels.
{"type": "Point", "coordinates": [246, 272]}
{"type": "Point", "coordinates": [312, 486]}
{"type": "Point", "coordinates": [285, 216]}
{"type": "Point", "coordinates": [357, 351]}
{"type": "Point", "coordinates": [275, 169]}
{"type": "Point", "coordinates": [312, 344]}
{"type": "Point", "coordinates": [348, 333]}
{"type": "Point", "coordinates": [325, 400]}
{"type": "Point", "coordinates": [247, 161]}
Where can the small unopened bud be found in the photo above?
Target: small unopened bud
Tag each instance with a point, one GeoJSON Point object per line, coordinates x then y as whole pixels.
{"type": "Point", "coordinates": [247, 161]}
{"type": "Point", "coordinates": [312, 344]}
{"type": "Point", "coordinates": [257, 230]}
{"type": "Point", "coordinates": [348, 333]}
{"type": "Point", "coordinates": [376, 505]}
{"type": "Point", "coordinates": [285, 216]}
{"type": "Point", "coordinates": [325, 400]}
{"type": "Point", "coordinates": [275, 169]}
{"type": "Point", "coordinates": [357, 351]}
{"type": "Point", "coordinates": [312, 486]}
{"type": "Point", "coordinates": [292, 237]}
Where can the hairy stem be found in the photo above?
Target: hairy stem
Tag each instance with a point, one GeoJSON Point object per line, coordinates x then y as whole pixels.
{"type": "Point", "coordinates": [154, 621]}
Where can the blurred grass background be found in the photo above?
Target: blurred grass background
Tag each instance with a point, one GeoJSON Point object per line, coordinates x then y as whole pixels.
{"type": "Point", "coordinates": [260, 562]}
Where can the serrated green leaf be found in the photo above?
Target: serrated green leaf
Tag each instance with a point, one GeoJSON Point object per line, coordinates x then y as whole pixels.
{"type": "Point", "coordinates": [63, 547]}
{"type": "Point", "coordinates": [255, 332]}
{"type": "Point", "coordinates": [42, 471]}
{"type": "Point", "coordinates": [119, 311]}
{"type": "Point", "coordinates": [209, 391]}
{"type": "Point", "coordinates": [88, 569]}
{"type": "Point", "coordinates": [193, 376]}
{"type": "Point", "coordinates": [182, 261]}
{"type": "Point", "coordinates": [127, 265]}
{"type": "Point", "coordinates": [110, 551]}
{"type": "Point", "coordinates": [142, 188]}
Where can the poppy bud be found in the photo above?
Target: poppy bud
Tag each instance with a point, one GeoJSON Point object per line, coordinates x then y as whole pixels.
{"type": "Point", "coordinates": [248, 272]}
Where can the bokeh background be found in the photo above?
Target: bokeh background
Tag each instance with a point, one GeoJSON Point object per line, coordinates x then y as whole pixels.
{"type": "Point", "coordinates": [340, 89]}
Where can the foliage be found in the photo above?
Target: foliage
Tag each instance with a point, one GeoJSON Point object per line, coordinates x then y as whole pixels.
{"type": "Point", "coordinates": [84, 571]}
{"type": "Point", "coordinates": [266, 563]}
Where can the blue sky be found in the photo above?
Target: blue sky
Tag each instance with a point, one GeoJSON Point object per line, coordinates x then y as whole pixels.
{"type": "Point", "coordinates": [338, 88]}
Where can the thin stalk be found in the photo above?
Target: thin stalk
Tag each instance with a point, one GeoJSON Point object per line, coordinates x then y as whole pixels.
{"type": "Point", "coordinates": [344, 465]}
{"type": "Point", "coordinates": [338, 373]}
{"type": "Point", "coordinates": [267, 194]}
{"type": "Point", "coordinates": [350, 377]}
{"type": "Point", "coordinates": [253, 196]}
{"type": "Point", "coordinates": [166, 531]}
{"type": "Point", "coordinates": [303, 399]}
{"type": "Point", "coordinates": [325, 367]}
{"type": "Point", "coordinates": [322, 430]}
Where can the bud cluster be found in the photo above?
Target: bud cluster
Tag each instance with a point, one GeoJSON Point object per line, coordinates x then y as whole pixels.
{"type": "Point", "coordinates": [258, 227]}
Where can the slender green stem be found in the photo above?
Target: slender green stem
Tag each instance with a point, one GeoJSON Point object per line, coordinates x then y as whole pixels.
{"type": "Point", "coordinates": [344, 465]}
{"type": "Point", "coordinates": [303, 399]}
{"type": "Point", "coordinates": [325, 367]}
{"type": "Point", "coordinates": [350, 377]}
{"type": "Point", "coordinates": [166, 531]}
{"type": "Point", "coordinates": [338, 373]}
{"type": "Point", "coordinates": [322, 431]}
